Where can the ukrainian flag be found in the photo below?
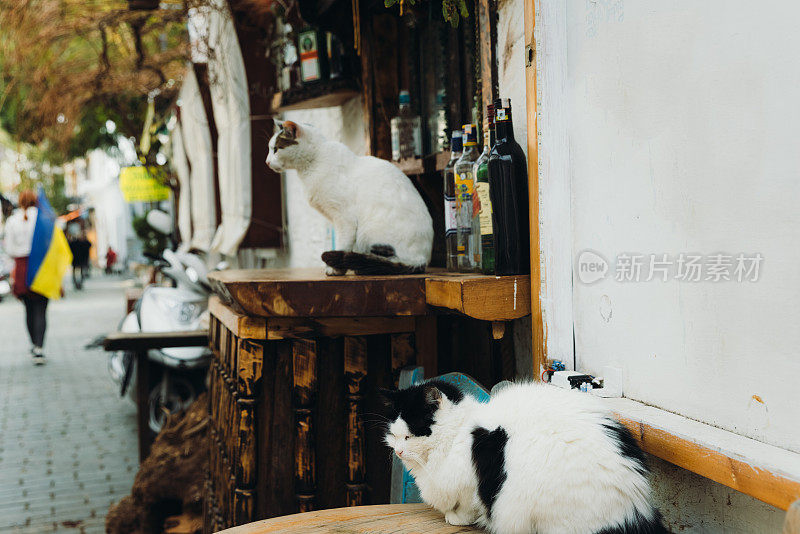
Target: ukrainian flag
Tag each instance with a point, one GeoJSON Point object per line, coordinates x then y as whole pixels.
{"type": "Point", "coordinates": [50, 254]}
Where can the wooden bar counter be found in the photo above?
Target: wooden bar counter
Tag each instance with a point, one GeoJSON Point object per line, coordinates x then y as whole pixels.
{"type": "Point", "coordinates": [299, 357]}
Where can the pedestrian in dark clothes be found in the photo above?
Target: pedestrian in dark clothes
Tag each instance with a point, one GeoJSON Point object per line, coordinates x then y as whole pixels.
{"type": "Point", "coordinates": [80, 247]}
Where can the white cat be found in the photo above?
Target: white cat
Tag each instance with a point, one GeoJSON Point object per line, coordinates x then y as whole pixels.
{"type": "Point", "coordinates": [534, 459]}
{"type": "Point", "coordinates": [381, 222]}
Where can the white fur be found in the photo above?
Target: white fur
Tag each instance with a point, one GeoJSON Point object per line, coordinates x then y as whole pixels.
{"type": "Point", "coordinates": [564, 474]}
{"type": "Point", "coordinates": [368, 200]}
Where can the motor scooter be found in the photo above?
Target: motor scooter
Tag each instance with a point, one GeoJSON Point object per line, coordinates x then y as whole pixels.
{"type": "Point", "coordinates": [178, 373]}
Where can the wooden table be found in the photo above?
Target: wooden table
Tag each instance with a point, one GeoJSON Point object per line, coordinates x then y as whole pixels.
{"type": "Point", "coordinates": [298, 358]}
{"type": "Point", "coordinates": [385, 518]}
{"type": "Point", "coordinates": [139, 343]}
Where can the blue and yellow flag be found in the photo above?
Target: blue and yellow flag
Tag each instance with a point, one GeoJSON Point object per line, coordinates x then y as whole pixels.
{"type": "Point", "coordinates": [50, 254]}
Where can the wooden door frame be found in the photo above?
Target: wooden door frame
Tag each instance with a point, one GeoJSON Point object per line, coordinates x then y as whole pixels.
{"type": "Point", "coordinates": [539, 341]}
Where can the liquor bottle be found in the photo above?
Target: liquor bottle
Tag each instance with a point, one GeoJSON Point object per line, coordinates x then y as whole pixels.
{"type": "Point", "coordinates": [335, 51]}
{"type": "Point", "coordinates": [450, 228]}
{"type": "Point", "coordinates": [465, 185]}
{"type": "Point", "coordinates": [313, 56]}
{"type": "Point", "coordinates": [406, 131]}
{"type": "Point", "coordinates": [508, 189]}
{"type": "Point", "coordinates": [437, 124]}
{"type": "Point", "coordinates": [481, 200]}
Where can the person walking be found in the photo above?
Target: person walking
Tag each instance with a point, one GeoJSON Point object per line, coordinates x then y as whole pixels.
{"type": "Point", "coordinates": [18, 240]}
{"type": "Point", "coordinates": [80, 247]}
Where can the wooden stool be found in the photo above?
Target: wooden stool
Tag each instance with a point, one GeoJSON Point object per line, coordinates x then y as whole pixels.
{"type": "Point", "coordinates": [388, 518]}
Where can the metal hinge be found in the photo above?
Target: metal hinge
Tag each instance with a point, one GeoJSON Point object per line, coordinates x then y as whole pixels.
{"type": "Point", "coordinates": [530, 54]}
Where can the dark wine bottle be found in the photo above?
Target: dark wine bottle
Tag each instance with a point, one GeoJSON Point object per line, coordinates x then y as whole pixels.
{"type": "Point", "coordinates": [508, 188]}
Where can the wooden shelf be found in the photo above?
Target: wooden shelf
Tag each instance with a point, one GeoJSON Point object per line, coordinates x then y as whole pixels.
{"type": "Point", "coordinates": [766, 472]}
{"type": "Point", "coordinates": [490, 298]}
{"type": "Point", "coordinates": [333, 98]}
{"type": "Point", "coordinates": [430, 163]}
{"type": "Point", "coordinates": [310, 294]}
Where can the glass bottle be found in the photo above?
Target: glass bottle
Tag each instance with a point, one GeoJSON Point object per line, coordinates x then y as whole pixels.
{"type": "Point", "coordinates": [450, 228]}
{"type": "Point", "coordinates": [406, 131]}
{"type": "Point", "coordinates": [481, 200]}
{"type": "Point", "coordinates": [465, 185]}
{"type": "Point", "coordinates": [313, 56]}
{"type": "Point", "coordinates": [437, 124]}
{"type": "Point", "coordinates": [508, 189]}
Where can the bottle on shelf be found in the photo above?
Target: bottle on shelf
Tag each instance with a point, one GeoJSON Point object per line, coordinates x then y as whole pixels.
{"type": "Point", "coordinates": [313, 56]}
{"type": "Point", "coordinates": [450, 228]}
{"type": "Point", "coordinates": [437, 124]}
{"type": "Point", "coordinates": [468, 252]}
{"type": "Point", "coordinates": [481, 199]}
{"type": "Point", "coordinates": [406, 131]}
{"type": "Point", "coordinates": [336, 59]}
{"type": "Point", "coordinates": [508, 189]}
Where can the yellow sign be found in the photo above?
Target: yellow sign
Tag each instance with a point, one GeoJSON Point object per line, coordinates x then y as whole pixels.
{"type": "Point", "coordinates": [140, 184]}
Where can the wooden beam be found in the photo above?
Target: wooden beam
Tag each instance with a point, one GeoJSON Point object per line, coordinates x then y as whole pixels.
{"type": "Point", "coordinates": [768, 473]}
{"type": "Point", "coordinates": [489, 298]}
{"type": "Point", "coordinates": [300, 327]}
{"type": "Point", "coordinates": [539, 340]}
{"type": "Point", "coordinates": [242, 326]}
{"type": "Point", "coordinates": [140, 341]}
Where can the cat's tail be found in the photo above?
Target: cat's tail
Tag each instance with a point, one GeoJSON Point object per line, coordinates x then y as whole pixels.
{"type": "Point", "coordinates": [368, 264]}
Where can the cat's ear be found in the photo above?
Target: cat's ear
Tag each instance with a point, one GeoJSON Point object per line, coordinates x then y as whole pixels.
{"type": "Point", "coordinates": [278, 123]}
{"type": "Point", "coordinates": [291, 129]}
{"type": "Point", "coordinates": [432, 395]}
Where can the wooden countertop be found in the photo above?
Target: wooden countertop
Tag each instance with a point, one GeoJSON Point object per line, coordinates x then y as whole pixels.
{"type": "Point", "coordinates": [310, 293]}
{"type": "Point", "coordinates": [376, 519]}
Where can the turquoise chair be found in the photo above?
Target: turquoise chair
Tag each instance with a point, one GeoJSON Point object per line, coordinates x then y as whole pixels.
{"type": "Point", "coordinates": [404, 490]}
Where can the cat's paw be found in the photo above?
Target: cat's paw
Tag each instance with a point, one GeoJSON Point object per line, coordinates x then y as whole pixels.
{"type": "Point", "coordinates": [454, 518]}
{"type": "Point", "coordinates": [332, 271]}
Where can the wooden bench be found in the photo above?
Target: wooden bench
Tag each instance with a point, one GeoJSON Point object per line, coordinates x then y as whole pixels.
{"type": "Point", "coordinates": [766, 472]}
{"type": "Point", "coordinates": [378, 519]}
{"type": "Point", "coordinates": [139, 343]}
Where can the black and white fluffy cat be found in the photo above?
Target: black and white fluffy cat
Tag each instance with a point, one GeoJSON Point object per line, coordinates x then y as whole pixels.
{"type": "Point", "coordinates": [534, 459]}
{"type": "Point", "coordinates": [381, 222]}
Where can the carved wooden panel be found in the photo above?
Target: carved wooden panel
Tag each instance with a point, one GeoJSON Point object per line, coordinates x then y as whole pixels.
{"type": "Point", "coordinates": [355, 369]}
{"type": "Point", "coordinates": [304, 359]}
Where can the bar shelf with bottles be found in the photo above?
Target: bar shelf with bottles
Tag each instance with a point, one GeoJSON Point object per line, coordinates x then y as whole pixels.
{"type": "Point", "coordinates": [486, 199]}
{"type": "Point", "coordinates": [315, 71]}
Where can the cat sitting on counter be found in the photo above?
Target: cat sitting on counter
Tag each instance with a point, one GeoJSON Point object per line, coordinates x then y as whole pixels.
{"type": "Point", "coordinates": [381, 222]}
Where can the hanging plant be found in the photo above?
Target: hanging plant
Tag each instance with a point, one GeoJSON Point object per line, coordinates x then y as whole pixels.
{"type": "Point", "coordinates": [452, 10]}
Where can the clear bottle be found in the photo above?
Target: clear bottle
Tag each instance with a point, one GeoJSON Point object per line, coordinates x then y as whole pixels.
{"type": "Point", "coordinates": [508, 181]}
{"type": "Point", "coordinates": [481, 200]}
{"type": "Point", "coordinates": [465, 185]}
{"type": "Point", "coordinates": [406, 131]}
{"type": "Point", "coordinates": [437, 124]}
{"type": "Point", "coordinates": [450, 228]}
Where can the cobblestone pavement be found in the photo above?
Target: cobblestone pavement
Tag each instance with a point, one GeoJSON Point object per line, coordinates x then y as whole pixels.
{"type": "Point", "coordinates": [67, 440]}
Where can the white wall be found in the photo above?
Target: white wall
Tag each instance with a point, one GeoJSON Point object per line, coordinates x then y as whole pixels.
{"type": "Point", "coordinates": [684, 139]}
{"type": "Point", "coordinates": [674, 126]}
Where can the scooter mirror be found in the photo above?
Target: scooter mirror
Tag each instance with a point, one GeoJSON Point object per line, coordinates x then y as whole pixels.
{"type": "Point", "coordinates": [160, 221]}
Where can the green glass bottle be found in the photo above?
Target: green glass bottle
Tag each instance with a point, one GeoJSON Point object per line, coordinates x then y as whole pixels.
{"type": "Point", "coordinates": [482, 202]}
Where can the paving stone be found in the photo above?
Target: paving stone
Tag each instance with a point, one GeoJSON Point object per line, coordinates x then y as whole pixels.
{"type": "Point", "coordinates": [67, 440]}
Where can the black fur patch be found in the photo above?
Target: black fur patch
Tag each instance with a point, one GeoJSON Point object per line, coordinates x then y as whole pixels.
{"type": "Point", "coordinates": [626, 444]}
{"type": "Point", "coordinates": [638, 524]}
{"type": "Point", "coordinates": [418, 404]}
{"type": "Point", "coordinates": [367, 264]}
{"type": "Point", "coordinates": [387, 251]}
{"type": "Point", "coordinates": [488, 455]}
{"type": "Point", "coordinates": [283, 140]}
